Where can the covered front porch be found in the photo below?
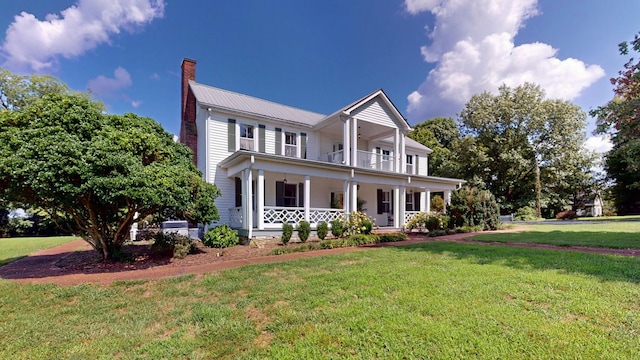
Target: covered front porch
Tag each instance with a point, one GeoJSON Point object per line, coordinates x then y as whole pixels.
{"type": "Point", "coordinates": [269, 193]}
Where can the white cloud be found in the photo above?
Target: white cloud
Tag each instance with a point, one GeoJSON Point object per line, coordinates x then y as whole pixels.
{"type": "Point", "coordinates": [472, 44]}
{"type": "Point", "coordinates": [104, 86]}
{"type": "Point", "coordinates": [32, 44]}
{"type": "Point", "coordinates": [136, 103]}
{"type": "Point", "coordinates": [599, 144]}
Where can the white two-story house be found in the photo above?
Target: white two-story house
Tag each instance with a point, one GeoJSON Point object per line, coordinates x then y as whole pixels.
{"type": "Point", "coordinates": [277, 164]}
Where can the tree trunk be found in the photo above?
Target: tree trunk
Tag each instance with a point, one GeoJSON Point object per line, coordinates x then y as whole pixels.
{"type": "Point", "coordinates": [538, 190]}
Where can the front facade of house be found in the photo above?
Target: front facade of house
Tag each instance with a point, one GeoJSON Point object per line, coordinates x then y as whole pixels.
{"type": "Point", "coordinates": [276, 164]}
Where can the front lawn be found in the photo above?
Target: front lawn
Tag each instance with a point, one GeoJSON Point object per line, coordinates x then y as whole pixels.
{"type": "Point", "coordinates": [616, 235]}
{"type": "Point", "coordinates": [15, 248]}
{"type": "Point", "coordinates": [431, 300]}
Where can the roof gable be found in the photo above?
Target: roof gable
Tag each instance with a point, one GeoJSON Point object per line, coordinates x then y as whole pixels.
{"type": "Point", "coordinates": [375, 102]}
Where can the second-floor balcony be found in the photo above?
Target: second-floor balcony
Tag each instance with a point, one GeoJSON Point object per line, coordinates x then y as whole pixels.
{"type": "Point", "coordinates": [365, 159]}
{"type": "Point", "coordinates": [371, 160]}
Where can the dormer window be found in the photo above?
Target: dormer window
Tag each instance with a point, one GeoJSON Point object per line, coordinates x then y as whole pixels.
{"type": "Point", "coordinates": [246, 137]}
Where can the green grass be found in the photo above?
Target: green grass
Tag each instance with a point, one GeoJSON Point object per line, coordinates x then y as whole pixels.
{"type": "Point", "coordinates": [15, 248]}
{"type": "Point", "coordinates": [432, 300]}
{"type": "Point", "coordinates": [616, 234]}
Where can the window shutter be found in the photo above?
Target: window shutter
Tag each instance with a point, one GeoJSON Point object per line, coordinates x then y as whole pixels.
{"type": "Point", "coordinates": [261, 144]}
{"type": "Point", "coordinates": [380, 204]}
{"type": "Point", "coordinates": [301, 195]}
{"type": "Point", "coordinates": [238, 192]}
{"type": "Point", "coordinates": [279, 193]}
{"type": "Point", "coordinates": [231, 135]}
{"type": "Point", "coordinates": [416, 201]}
{"type": "Point", "coordinates": [303, 145]}
{"type": "Point", "coordinates": [278, 141]}
{"type": "Point", "coordinates": [416, 160]}
{"type": "Point", "coordinates": [406, 203]}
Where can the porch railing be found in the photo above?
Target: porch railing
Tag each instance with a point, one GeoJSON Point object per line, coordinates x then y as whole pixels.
{"type": "Point", "coordinates": [275, 216]}
{"type": "Point", "coordinates": [408, 215]}
{"type": "Point", "coordinates": [235, 217]}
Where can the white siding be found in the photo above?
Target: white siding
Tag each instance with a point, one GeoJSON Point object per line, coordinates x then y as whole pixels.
{"type": "Point", "coordinates": [201, 119]}
{"type": "Point", "coordinates": [218, 130]}
{"type": "Point", "coordinates": [376, 112]}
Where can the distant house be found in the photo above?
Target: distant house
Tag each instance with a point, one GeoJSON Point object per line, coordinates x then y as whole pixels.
{"type": "Point", "coordinates": [589, 205]}
{"type": "Point", "coordinates": [277, 164]}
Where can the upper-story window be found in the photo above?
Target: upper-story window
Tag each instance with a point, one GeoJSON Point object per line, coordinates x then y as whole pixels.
{"type": "Point", "coordinates": [410, 164]}
{"type": "Point", "coordinates": [290, 144]}
{"type": "Point", "coordinates": [246, 137]}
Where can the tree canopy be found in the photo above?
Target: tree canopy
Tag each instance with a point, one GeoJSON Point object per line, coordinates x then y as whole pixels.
{"type": "Point", "coordinates": [526, 149]}
{"type": "Point", "coordinates": [440, 135]}
{"type": "Point", "coordinates": [94, 171]}
{"type": "Point", "coordinates": [620, 119]}
{"type": "Point", "coordinates": [17, 91]}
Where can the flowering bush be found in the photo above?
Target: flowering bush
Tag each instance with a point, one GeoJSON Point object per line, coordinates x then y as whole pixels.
{"type": "Point", "coordinates": [359, 223]}
{"type": "Point", "coordinates": [430, 221]}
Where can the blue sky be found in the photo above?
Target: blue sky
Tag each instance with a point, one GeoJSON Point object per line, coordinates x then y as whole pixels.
{"type": "Point", "coordinates": [429, 56]}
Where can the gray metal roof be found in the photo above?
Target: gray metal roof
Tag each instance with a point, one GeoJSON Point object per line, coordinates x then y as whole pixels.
{"type": "Point", "coordinates": [235, 102]}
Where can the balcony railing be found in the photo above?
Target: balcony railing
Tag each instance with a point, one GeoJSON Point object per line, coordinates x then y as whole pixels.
{"type": "Point", "coordinates": [370, 160]}
{"type": "Point", "coordinates": [336, 157]}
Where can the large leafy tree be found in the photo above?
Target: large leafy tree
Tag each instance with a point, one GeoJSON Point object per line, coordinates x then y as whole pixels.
{"type": "Point", "coordinates": [620, 118]}
{"type": "Point", "coordinates": [524, 148]}
{"type": "Point", "coordinates": [440, 135]}
{"type": "Point", "coordinates": [17, 91]}
{"type": "Point", "coordinates": [94, 171]}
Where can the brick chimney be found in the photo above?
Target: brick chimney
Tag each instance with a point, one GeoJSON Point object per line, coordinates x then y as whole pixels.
{"type": "Point", "coordinates": [188, 132]}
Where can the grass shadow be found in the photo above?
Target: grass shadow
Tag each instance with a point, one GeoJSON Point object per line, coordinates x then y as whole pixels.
{"type": "Point", "coordinates": [605, 267]}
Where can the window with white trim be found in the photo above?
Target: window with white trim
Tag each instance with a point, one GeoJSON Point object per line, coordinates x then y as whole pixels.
{"type": "Point", "coordinates": [386, 160]}
{"type": "Point", "coordinates": [410, 168]}
{"type": "Point", "coordinates": [290, 144]}
{"type": "Point", "coordinates": [247, 137]}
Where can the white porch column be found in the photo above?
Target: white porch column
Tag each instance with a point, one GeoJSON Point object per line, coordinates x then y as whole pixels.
{"type": "Point", "coordinates": [345, 198]}
{"type": "Point", "coordinates": [354, 143]}
{"type": "Point", "coordinates": [346, 142]}
{"type": "Point", "coordinates": [402, 207]}
{"type": "Point", "coordinates": [403, 157]}
{"type": "Point", "coordinates": [396, 150]}
{"type": "Point", "coordinates": [423, 201]}
{"type": "Point", "coordinates": [447, 199]}
{"type": "Point", "coordinates": [427, 201]}
{"type": "Point", "coordinates": [260, 200]}
{"type": "Point", "coordinates": [248, 204]}
{"type": "Point", "coordinates": [354, 196]}
{"type": "Point", "coordinates": [396, 207]}
{"type": "Point", "coordinates": [307, 195]}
